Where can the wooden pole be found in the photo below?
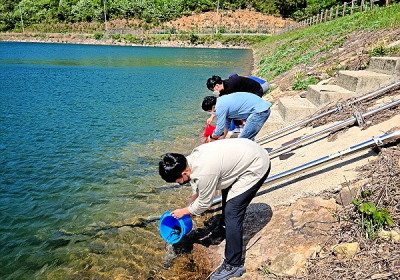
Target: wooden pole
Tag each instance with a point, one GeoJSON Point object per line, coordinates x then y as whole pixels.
{"type": "Point", "coordinates": [105, 17]}
{"type": "Point", "coordinates": [352, 7]}
{"type": "Point", "coordinates": [216, 22]}
{"type": "Point", "coordinates": [22, 21]}
{"type": "Point", "coordinates": [387, 3]}
{"type": "Point", "coordinates": [326, 15]}
{"type": "Point", "coordinates": [344, 8]}
{"type": "Point", "coordinates": [337, 11]}
{"type": "Point", "coordinates": [362, 6]}
{"type": "Point", "coordinates": [331, 14]}
{"type": "Point", "coordinates": [372, 4]}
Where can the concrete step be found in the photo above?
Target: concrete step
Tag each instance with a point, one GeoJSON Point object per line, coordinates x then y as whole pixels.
{"type": "Point", "coordinates": [274, 123]}
{"type": "Point", "coordinates": [295, 109]}
{"type": "Point", "coordinates": [321, 95]}
{"type": "Point", "coordinates": [363, 81]}
{"type": "Point", "coordinates": [385, 65]}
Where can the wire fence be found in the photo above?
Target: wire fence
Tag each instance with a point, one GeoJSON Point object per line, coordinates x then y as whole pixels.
{"type": "Point", "coordinates": [348, 8]}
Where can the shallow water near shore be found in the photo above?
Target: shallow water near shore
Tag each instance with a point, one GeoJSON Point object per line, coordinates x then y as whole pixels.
{"type": "Point", "coordinates": [82, 130]}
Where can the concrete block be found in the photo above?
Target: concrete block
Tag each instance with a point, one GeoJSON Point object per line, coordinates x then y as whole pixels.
{"type": "Point", "coordinates": [385, 65]}
{"type": "Point", "coordinates": [295, 109]}
{"type": "Point", "coordinates": [363, 81]}
{"type": "Point", "coordinates": [321, 95]}
{"type": "Point", "coordinates": [274, 123]}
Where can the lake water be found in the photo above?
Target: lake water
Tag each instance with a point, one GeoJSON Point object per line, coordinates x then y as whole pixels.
{"type": "Point", "coordinates": [81, 131]}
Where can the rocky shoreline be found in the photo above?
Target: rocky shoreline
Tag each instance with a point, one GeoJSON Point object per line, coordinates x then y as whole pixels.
{"type": "Point", "coordinates": [88, 39]}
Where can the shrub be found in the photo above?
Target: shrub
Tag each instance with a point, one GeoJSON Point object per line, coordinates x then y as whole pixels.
{"type": "Point", "coordinates": [98, 35]}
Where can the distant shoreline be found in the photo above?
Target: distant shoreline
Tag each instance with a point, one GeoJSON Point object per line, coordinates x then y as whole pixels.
{"type": "Point", "coordinates": [82, 39]}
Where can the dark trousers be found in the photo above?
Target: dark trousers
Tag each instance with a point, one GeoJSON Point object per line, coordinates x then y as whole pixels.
{"type": "Point", "coordinates": [233, 212]}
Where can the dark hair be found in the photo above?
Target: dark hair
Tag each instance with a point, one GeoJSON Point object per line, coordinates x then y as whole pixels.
{"type": "Point", "coordinates": [171, 166]}
{"type": "Point", "coordinates": [208, 102]}
{"type": "Point", "coordinates": [214, 80]}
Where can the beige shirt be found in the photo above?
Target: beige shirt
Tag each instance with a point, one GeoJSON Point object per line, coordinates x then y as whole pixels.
{"type": "Point", "coordinates": [238, 162]}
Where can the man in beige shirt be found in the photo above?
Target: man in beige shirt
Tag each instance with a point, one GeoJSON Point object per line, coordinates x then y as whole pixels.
{"type": "Point", "coordinates": [237, 167]}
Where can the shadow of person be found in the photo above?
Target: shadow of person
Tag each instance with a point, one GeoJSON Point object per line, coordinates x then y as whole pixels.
{"type": "Point", "coordinates": [258, 215]}
{"type": "Point", "coordinates": [212, 233]}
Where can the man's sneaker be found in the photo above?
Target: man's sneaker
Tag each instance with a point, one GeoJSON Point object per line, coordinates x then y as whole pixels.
{"type": "Point", "coordinates": [226, 271]}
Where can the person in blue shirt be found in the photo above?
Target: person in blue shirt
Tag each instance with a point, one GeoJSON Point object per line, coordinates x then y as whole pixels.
{"type": "Point", "coordinates": [237, 106]}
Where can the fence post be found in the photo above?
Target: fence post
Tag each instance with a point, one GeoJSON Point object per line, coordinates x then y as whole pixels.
{"type": "Point", "coordinates": [331, 14]}
{"type": "Point", "coordinates": [387, 3]}
{"type": "Point", "coordinates": [337, 11]}
{"type": "Point", "coordinates": [326, 15]}
{"type": "Point", "coordinates": [352, 7]}
{"type": "Point", "coordinates": [344, 8]}
{"type": "Point", "coordinates": [362, 6]}
{"type": "Point", "coordinates": [372, 4]}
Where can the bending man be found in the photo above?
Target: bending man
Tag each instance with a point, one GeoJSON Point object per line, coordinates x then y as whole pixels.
{"type": "Point", "coordinates": [238, 175]}
{"type": "Point", "coordinates": [234, 84]}
{"type": "Point", "coordinates": [237, 106]}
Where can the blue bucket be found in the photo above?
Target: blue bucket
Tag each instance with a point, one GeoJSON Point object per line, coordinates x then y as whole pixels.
{"type": "Point", "coordinates": [172, 230]}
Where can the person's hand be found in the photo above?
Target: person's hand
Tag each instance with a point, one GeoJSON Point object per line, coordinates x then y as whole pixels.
{"type": "Point", "coordinates": [210, 119]}
{"type": "Point", "coordinates": [209, 139]}
{"type": "Point", "coordinates": [179, 213]}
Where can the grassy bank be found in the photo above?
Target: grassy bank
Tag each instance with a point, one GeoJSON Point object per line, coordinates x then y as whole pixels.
{"type": "Point", "coordinates": [313, 45]}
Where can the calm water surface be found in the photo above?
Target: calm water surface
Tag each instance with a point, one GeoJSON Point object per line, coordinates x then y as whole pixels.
{"type": "Point", "coordinates": [81, 132]}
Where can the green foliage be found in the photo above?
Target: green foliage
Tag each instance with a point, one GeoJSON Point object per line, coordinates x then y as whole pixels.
{"type": "Point", "coordinates": [301, 84]}
{"type": "Point", "coordinates": [299, 47]}
{"type": "Point", "coordinates": [151, 11]}
{"type": "Point", "coordinates": [382, 50]}
{"type": "Point", "coordinates": [116, 37]}
{"type": "Point", "coordinates": [373, 219]}
{"type": "Point", "coordinates": [98, 35]}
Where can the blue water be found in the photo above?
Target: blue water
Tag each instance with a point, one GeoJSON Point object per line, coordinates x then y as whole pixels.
{"type": "Point", "coordinates": [81, 131]}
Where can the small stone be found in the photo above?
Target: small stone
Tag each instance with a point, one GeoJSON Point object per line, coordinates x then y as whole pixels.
{"type": "Point", "coordinates": [346, 250]}
{"type": "Point", "coordinates": [389, 235]}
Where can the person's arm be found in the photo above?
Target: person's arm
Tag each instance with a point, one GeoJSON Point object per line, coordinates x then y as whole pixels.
{"type": "Point", "coordinates": [226, 130]}
{"type": "Point", "coordinates": [222, 122]}
{"type": "Point", "coordinates": [210, 119]}
{"type": "Point", "coordinates": [180, 212]}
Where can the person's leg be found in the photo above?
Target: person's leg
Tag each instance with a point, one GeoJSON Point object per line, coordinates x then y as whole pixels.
{"type": "Point", "coordinates": [224, 195]}
{"type": "Point", "coordinates": [265, 87]}
{"type": "Point", "coordinates": [254, 123]}
{"type": "Point", "coordinates": [235, 211]}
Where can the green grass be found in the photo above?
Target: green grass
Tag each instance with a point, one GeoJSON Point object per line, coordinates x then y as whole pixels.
{"type": "Point", "coordinates": [283, 52]}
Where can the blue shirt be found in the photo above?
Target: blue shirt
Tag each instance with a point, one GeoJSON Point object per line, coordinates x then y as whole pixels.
{"type": "Point", "coordinates": [237, 106]}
